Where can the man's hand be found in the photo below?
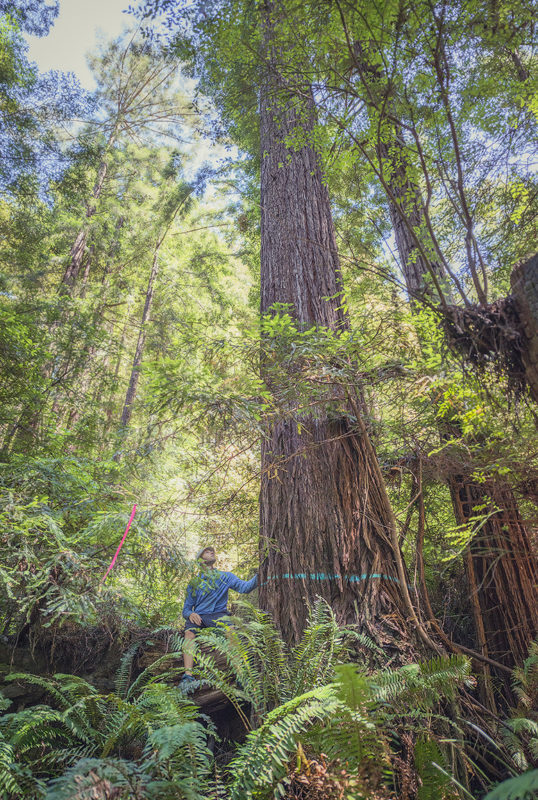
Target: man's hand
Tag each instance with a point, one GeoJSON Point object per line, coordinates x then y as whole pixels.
{"type": "Point", "coordinates": [195, 618]}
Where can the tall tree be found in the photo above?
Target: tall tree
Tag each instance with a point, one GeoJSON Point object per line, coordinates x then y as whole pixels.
{"type": "Point", "coordinates": [175, 205]}
{"type": "Point", "coordinates": [137, 99]}
{"type": "Point", "coordinates": [327, 527]}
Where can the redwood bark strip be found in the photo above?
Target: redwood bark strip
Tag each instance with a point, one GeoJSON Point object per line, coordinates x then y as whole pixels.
{"type": "Point", "coordinates": [323, 503]}
{"type": "Point", "coordinates": [502, 570]}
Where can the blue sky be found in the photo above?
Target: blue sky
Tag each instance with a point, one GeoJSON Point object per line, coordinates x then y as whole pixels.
{"type": "Point", "coordinates": [75, 32]}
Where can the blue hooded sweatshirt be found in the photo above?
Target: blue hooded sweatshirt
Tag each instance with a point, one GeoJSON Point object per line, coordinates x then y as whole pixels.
{"type": "Point", "coordinates": [210, 594]}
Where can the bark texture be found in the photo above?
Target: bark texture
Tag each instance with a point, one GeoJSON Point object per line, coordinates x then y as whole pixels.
{"type": "Point", "coordinates": [502, 570]}
{"type": "Point", "coordinates": [326, 523]}
{"type": "Point", "coordinates": [524, 283]}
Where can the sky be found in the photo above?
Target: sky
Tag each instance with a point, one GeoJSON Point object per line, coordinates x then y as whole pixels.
{"type": "Point", "coordinates": [75, 32]}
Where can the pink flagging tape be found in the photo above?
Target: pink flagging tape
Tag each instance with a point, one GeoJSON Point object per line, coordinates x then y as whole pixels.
{"type": "Point", "coordinates": [133, 512]}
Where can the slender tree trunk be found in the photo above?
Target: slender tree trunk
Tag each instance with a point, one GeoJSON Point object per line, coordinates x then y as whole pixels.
{"type": "Point", "coordinates": [78, 249]}
{"type": "Point", "coordinates": [407, 214]}
{"type": "Point", "coordinates": [139, 351]}
{"type": "Point", "coordinates": [117, 367]}
{"type": "Point", "coordinates": [501, 566]}
{"type": "Point", "coordinates": [327, 527]}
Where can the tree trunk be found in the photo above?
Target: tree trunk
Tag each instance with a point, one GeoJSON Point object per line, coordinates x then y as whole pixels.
{"type": "Point", "coordinates": [524, 284]}
{"type": "Point", "coordinates": [139, 352]}
{"type": "Point", "coordinates": [327, 527]}
{"type": "Point", "coordinates": [501, 567]}
{"type": "Point", "coordinates": [78, 249]}
{"type": "Point", "coordinates": [419, 261]}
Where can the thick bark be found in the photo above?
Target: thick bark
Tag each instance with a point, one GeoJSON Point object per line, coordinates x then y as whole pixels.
{"type": "Point", "coordinates": [327, 527]}
{"type": "Point", "coordinates": [524, 283]}
{"type": "Point", "coordinates": [501, 568]}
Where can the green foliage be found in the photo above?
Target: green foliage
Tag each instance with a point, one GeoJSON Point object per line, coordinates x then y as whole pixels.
{"type": "Point", "coordinates": [522, 787]}
{"type": "Point", "coordinates": [350, 721]}
{"type": "Point", "coordinates": [519, 732]}
{"type": "Point", "coordinates": [260, 669]}
{"type": "Point", "coordinates": [263, 762]}
{"type": "Point", "coordinates": [441, 97]}
{"type": "Point", "coordinates": [350, 716]}
{"type": "Point", "coordinates": [434, 783]}
{"type": "Point", "coordinates": [153, 745]}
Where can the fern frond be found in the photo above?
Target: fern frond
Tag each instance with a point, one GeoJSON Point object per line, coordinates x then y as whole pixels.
{"type": "Point", "coordinates": [150, 672]}
{"type": "Point", "coordinates": [323, 644]}
{"type": "Point", "coordinates": [522, 787]}
{"type": "Point", "coordinates": [263, 761]}
{"type": "Point", "coordinates": [423, 685]}
{"type": "Point", "coordinates": [433, 782]}
{"type": "Point", "coordinates": [123, 675]}
{"type": "Point", "coordinates": [183, 748]}
{"type": "Point", "coordinates": [49, 685]}
{"type": "Point", "coordinates": [16, 779]}
{"type": "Point", "coordinates": [94, 777]}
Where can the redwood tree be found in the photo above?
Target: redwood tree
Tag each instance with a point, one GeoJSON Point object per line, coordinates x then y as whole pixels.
{"type": "Point", "coordinates": [327, 527]}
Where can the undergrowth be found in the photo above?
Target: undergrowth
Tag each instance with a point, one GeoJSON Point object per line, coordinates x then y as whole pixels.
{"type": "Point", "coordinates": [317, 726]}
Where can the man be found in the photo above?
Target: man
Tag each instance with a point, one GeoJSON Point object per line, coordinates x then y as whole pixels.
{"type": "Point", "coordinates": [206, 601]}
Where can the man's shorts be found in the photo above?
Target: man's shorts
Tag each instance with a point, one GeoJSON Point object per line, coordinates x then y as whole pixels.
{"type": "Point", "coordinates": [208, 621]}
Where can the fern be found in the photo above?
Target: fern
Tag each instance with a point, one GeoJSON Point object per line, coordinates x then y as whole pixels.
{"type": "Point", "coordinates": [16, 779]}
{"type": "Point", "coordinates": [123, 675]}
{"type": "Point", "coordinates": [263, 761]}
{"type": "Point", "coordinates": [434, 784]}
{"type": "Point", "coordinates": [259, 668]}
{"type": "Point", "coordinates": [91, 777]}
{"type": "Point", "coordinates": [525, 680]}
{"type": "Point", "coordinates": [255, 658]}
{"type": "Point", "coordinates": [89, 729]}
{"type": "Point", "coordinates": [323, 644]}
{"type": "Point", "coordinates": [522, 787]}
{"type": "Point", "coordinates": [150, 673]}
{"type": "Point", "coordinates": [350, 720]}
{"type": "Point", "coordinates": [423, 685]}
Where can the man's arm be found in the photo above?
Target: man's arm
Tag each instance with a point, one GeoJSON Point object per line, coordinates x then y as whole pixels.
{"type": "Point", "coordinates": [244, 587]}
{"type": "Point", "coordinates": [188, 605]}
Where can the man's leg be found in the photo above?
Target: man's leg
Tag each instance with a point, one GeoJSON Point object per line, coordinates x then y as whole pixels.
{"type": "Point", "coordinates": [188, 658]}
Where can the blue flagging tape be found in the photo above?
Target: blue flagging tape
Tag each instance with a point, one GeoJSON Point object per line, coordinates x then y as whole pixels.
{"type": "Point", "coordinates": [322, 576]}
